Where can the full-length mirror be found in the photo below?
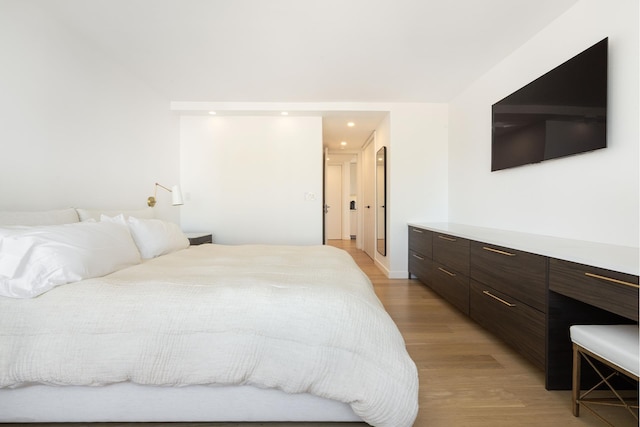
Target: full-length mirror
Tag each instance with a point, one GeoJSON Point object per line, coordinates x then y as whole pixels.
{"type": "Point", "coordinates": [381, 200]}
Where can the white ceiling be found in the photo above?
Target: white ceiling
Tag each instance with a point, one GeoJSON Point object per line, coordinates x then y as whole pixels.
{"type": "Point", "coordinates": [307, 50]}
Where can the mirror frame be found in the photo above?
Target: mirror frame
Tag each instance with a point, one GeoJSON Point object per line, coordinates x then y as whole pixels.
{"type": "Point", "coordinates": [381, 201]}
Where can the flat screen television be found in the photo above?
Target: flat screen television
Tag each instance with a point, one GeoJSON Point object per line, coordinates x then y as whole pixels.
{"type": "Point", "coordinates": [561, 113]}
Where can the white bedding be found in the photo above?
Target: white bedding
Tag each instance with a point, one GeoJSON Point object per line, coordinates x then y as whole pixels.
{"type": "Point", "coordinates": [298, 319]}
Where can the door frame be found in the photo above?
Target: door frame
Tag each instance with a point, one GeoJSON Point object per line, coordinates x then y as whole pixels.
{"type": "Point", "coordinates": [367, 184]}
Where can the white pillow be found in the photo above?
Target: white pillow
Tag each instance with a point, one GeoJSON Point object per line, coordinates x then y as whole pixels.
{"type": "Point", "coordinates": [155, 237]}
{"type": "Point", "coordinates": [118, 219]}
{"type": "Point", "coordinates": [37, 259]}
{"type": "Point", "coordinates": [87, 214]}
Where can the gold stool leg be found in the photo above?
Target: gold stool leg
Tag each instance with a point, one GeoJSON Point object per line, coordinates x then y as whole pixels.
{"type": "Point", "coordinates": [575, 387]}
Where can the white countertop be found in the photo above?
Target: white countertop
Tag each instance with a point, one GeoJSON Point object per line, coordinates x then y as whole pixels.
{"type": "Point", "coordinates": [625, 259]}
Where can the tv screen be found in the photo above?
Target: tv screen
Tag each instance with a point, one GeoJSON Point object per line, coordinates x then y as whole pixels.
{"type": "Point", "coordinates": [561, 113]}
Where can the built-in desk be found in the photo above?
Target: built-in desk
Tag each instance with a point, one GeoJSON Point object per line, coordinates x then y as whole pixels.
{"type": "Point", "coordinates": [528, 289]}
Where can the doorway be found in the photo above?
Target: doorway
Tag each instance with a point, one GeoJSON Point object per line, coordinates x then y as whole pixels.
{"type": "Point", "coordinates": [333, 202]}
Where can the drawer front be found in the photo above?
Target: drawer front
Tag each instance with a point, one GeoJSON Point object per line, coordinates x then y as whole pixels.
{"type": "Point", "coordinates": [200, 240]}
{"type": "Point", "coordinates": [451, 251]}
{"type": "Point", "coordinates": [519, 325]}
{"type": "Point", "coordinates": [521, 275]}
{"type": "Point", "coordinates": [420, 266]}
{"type": "Point", "coordinates": [454, 287]}
{"type": "Point", "coordinates": [606, 289]}
{"type": "Point", "coordinates": [420, 241]}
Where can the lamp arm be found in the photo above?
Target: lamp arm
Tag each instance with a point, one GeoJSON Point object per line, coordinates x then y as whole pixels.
{"type": "Point", "coordinates": [160, 185]}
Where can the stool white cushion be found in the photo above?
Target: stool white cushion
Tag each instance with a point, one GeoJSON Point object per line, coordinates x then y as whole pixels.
{"type": "Point", "coordinates": [619, 344]}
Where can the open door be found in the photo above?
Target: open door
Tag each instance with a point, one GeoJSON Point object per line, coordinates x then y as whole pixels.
{"type": "Point", "coordinates": [333, 202]}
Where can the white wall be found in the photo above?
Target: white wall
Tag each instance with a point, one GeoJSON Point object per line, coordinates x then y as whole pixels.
{"type": "Point", "coordinates": [246, 178]}
{"type": "Point", "coordinates": [75, 128]}
{"type": "Point", "coordinates": [592, 196]}
{"type": "Point", "coordinates": [416, 176]}
{"type": "Point", "coordinates": [383, 139]}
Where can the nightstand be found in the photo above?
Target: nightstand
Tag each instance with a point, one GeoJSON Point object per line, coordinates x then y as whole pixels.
{"type": "Point", "coordinates": [199, 238]}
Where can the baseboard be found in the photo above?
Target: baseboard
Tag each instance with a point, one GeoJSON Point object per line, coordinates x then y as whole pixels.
{"type": "Point", "coordinates": [398, 275]}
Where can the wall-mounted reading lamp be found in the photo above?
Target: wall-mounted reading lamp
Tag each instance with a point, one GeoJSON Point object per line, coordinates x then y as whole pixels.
{"type": "Point", "coordinates": [176, 195]}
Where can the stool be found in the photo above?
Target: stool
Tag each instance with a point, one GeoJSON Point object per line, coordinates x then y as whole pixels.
{"type": "Point", "coordinates": [616, 346]}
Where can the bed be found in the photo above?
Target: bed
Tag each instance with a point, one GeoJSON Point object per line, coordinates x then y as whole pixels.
{"type": "Point", "coordinates": [200, 333]}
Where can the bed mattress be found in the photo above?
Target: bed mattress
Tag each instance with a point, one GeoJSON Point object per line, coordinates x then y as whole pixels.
{"type": "Point", "coordinates": [295, 319]}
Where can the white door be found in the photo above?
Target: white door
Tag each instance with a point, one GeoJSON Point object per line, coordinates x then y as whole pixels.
{"type": "Point", "coordinates": [369, 199]}
{"type": "Point", "coordinates": [333, 202]}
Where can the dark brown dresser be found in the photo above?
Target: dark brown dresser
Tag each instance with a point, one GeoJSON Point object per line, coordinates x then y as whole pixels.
{"type": "Point", "coordinates": [527, 289]}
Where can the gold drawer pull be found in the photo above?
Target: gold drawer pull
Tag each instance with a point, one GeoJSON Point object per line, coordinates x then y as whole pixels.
{"type": "Point", "coordinates": [451, 239]}
{"type": "Point", "coordinates": [419, 257]}
{"type": "Point", "coordinates": [447, 272]}
{"type": "Point", "coordinates": [416, 230]}
{"type": "Point", "coordinates": [611, 279]}
{"type": "Point", "coordinates": [498, 251]}
{"type": "Point", "coordinates": [499, 299]}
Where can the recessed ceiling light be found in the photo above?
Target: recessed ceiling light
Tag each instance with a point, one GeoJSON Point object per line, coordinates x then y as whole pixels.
{"type": "Point", "coordinates": [351, 124]}
{"type": "Point", "coordinates": [213, 113]}
{"type": "Point", "coordinates": [343, 143]}
{"type": "Point", "coordinates": [284, 113]}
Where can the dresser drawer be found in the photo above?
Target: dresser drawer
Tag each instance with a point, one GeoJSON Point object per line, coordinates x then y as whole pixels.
{"type": "Point", "coordinates": [451, 251]}
{"type": "Point", "coordinates": [605, 289]}
{"type": "Point", "coordinates": [516, 323]}
{"type": "Point", "coordinates": [420, 266]}
{"type": "Point", "coordinates": [420, 241]}
{"type": "Point", "coordinates": [521, 275]}
{"type": "Point", "coordinates": [454, 287]}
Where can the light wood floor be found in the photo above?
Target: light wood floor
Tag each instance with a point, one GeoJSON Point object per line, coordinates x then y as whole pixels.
{"type": "Point", "coordinates": [467, 377]}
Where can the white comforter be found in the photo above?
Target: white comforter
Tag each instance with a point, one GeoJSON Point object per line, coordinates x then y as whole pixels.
{"type": "Point", "coordinates": [299, 319]}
